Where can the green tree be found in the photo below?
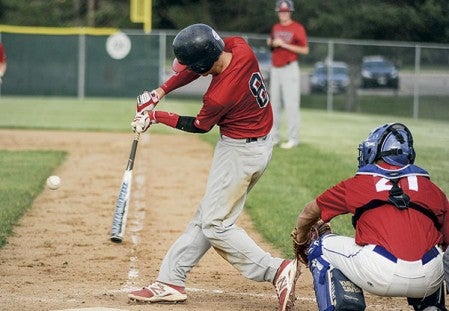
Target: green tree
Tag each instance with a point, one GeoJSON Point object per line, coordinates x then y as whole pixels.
{"type": "Point", "coordinates": [402, 20]}
{"type": "Point", "coordinates": [425, 21]}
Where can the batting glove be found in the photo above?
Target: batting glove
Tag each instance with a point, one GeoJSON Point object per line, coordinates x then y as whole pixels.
{"type": "Point", "coordinates": [147, 101]}
{"type": "Point", "coordinates": [143, 120]}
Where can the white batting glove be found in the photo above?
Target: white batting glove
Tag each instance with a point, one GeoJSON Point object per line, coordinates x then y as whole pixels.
{"type": "Point", "coordinates": [147, 101]}
{"type": "Point", "coordinates": [142, 121]}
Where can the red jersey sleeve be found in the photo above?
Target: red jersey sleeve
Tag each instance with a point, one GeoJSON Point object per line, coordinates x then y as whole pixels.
{"type": "Point", "coordinates": [178, 80]}
{"type": "Point", "coordinates": [332, 202]}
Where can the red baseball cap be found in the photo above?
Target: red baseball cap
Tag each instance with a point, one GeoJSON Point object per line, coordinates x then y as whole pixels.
{"type": "Point", "coordinates": [284, 6]}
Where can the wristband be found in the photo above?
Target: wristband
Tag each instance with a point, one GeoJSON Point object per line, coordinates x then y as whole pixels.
{"type": "Point", "coordinates": [167, 118]}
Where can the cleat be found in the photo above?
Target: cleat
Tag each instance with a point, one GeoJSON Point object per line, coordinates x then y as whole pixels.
{"type": "Point", "coordinates": [285, 282]}
{"type": "Point", "coordinates": [289, 144]}
{"type": "Point", "coordinates": [159, 292]}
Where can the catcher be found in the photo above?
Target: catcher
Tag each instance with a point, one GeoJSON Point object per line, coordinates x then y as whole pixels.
{"type": "Point", "coordinates": [401, 229]}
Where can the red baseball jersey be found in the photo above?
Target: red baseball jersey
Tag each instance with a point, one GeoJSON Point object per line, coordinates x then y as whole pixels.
{"type": "Point", "coordinates": [237, 99]}
{"type": "Point", "coordinates": [2, 54]}
{"type": "Point", "coordinates": [293, 33]}
{"type": "Point", "coordinates": [407, 233]}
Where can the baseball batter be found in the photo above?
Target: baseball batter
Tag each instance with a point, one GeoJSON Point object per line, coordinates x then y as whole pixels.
{"type": "Point", "coordinates": [400, 220]}
{"type": "Point", "coordinates": [237, 101]}
{"type": "Point", "coordinates": [287, 40]}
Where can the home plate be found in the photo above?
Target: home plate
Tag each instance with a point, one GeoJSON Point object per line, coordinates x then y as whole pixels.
{"type": "Point", "coordinates": [92, 309]}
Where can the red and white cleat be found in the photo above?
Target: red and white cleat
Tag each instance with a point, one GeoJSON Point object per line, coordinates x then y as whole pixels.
{"type": "Point", "coordinates": [285, 282]}
{"type": "Point", "coordinates": [159, 292]}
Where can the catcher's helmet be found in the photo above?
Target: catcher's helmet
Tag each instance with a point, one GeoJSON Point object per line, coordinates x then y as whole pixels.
{"type": "Point", "coordinates": [197, 47]}
{"type": "Point", "coordinates": [392, 142]}
{"type": "Point", "coordinates": [284, 6]}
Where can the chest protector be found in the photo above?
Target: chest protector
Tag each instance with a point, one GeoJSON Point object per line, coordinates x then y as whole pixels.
{"type": "Point", "coordinates": [397, 197]}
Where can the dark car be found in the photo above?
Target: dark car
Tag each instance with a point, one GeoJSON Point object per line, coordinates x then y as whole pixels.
{"type": "Point", "coordinates": [263, 56]}
{"type": "Point", "coordinates": [336, 73]}
{"type": "Point", "coordinates": [379, 72]}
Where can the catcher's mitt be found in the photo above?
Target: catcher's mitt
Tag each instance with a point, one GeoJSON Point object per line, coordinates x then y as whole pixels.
{"type": "Point", "coordinates": [300, 249]}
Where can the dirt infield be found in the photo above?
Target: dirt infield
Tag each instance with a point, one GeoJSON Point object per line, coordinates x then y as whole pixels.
{"type": "Point", "coordinates": [60, 256]}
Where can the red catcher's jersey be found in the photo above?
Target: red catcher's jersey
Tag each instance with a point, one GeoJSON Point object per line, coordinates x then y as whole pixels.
{"type": "Point", "coordinates": [293, 33]}
{"type": "Point", "coordinates": [237, 99]}
{"type": "Point", "coordinates": [408, 233]}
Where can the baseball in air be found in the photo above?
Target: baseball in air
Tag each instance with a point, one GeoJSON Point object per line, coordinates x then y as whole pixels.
{"type": "Point", "coordinates": [53, 182]}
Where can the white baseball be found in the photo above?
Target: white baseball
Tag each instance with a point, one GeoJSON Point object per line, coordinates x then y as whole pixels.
{"type": "Point", "coordinates": [53, 182]}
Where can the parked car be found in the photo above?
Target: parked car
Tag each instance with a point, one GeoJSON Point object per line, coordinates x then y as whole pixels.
{"type": "Point", "coordinates": [336, 72]}
{"type": "Point", "coordinates": [377, 71]}
{"type": "Point", "coordinates": [263, 56]}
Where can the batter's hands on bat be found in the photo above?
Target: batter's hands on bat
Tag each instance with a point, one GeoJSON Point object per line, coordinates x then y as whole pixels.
{"type": "Point", "coordinates": [143, 120]}
{"type": "Point", "coordinates": [147, 101]}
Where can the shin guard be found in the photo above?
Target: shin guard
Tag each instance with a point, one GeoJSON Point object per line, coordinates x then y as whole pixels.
{"type": "Point", "coordinates": [436, 301]}
{"type": "Point", "coordinates": [333, 290]}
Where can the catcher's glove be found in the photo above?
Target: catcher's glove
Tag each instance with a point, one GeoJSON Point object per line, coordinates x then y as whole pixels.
{"type": "Point", "coordinates": [300, 249]}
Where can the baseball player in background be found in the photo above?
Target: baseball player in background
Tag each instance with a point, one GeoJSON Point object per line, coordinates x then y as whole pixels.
{"type": "Point", "coordinates": [3, 63]}
{"type": "Point", "coordinates": [237, 101]}
{"type": "Point", "coordinates": [287, 40]}
{"type": "Point", "coordinates": [400, 221]}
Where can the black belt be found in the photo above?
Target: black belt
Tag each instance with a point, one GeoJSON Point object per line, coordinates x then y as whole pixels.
{"type": "Point", "coordinates": [253, 139]}
{"type": "Point", "coordinates": [428, 256]}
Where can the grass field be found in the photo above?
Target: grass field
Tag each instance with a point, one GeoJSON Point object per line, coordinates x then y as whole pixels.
{"type": "Point", "coordinates": [430, 107]}
{"type": "Point", "coordinates": [327, 154]}
{"type": "Point", "coordinates": [22, 178]}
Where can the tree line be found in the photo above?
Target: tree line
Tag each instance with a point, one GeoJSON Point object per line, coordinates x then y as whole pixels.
{"type": "Point", "coordinates": [395, 20]}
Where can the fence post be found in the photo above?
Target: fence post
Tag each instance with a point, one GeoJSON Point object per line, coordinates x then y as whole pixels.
{"type": "Point", "coordinates": [329, 62]}
{"type": "Point", "coordinates": [162, 56]}
{"type": "Point", "coordinates": [416, 81]}
{"type": "Point", "coordinates": [81, 65]}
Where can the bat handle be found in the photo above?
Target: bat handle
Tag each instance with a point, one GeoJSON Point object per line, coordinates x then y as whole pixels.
{"type": "Point", "coordinates": [132, 155]}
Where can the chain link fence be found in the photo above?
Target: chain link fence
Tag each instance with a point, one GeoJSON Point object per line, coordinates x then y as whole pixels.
{"type": "Point", "coordinates": [411, 78]}
{"type": "Point", "coordinates": [123, 63]}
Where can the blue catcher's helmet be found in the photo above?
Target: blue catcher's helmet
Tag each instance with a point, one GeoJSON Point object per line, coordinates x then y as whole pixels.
{"type": "Point", "coordinates": [392, 142]}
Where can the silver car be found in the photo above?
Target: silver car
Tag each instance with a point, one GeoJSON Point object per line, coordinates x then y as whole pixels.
{"type": "Point", "coordinates": [333, 75]}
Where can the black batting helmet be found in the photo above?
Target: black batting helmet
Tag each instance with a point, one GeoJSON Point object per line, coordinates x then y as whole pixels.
{"type": "Point", "coordinates": [197, 47]}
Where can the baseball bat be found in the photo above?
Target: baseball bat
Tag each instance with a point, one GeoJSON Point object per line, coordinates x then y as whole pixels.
{"type": "Point", "coordinates": [122, 203]}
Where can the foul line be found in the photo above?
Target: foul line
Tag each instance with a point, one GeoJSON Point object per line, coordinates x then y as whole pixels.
{"type": "Point", "coordinates": [138, 202]}
{"type": "Point", "coordinates": [262, 295]}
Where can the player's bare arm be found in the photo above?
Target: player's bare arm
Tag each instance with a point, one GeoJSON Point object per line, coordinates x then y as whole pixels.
{"type": "Point", "coordinates": [306, 219]}
{"type": "Point", "coordinates": [279, 42]}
